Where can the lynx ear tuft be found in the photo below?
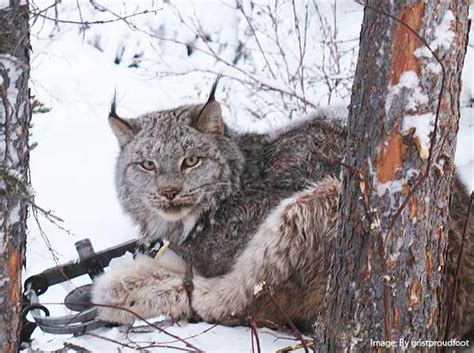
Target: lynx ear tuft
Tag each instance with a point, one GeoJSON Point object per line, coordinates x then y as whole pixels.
{"type": "Point", "coordinates": [209, 119]}
{"type": "Point", "coordinates": [214, 88]}
{"type": "Point", "coordinates": [123, 129]}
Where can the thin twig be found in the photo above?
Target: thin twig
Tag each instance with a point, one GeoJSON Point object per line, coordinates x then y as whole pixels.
{"type": "Point", "coordinates": [254, 333]}
{"type": "Point", "coordinates": [98, 22]}
{"type": "Point", "coordinates": [47, 214]}
{"type": "Point", "coordinates": [150, 324]}
{"type": "Point", "coordinates": [74, 347]}
{"type": "Point", "coordinates": [254, 33]}
{"type": "Point", "coordinates": [48, 244]}
{"type": "Point", "coordinates": [138, 316]}
{"type": "Point", "coordinates": [293, 347]}
{"type": "Point", "coordinates": [302, 49]}
{"type": "Point", "coordinates": [288, 319]}
{"type": "Point", "coordinates": [138, 347]}
{"type": "Point", "coordinates": [195, 335]}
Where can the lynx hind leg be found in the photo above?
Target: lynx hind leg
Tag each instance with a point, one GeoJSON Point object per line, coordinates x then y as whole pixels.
{"type": "Point", "coordinates": [293, 240]}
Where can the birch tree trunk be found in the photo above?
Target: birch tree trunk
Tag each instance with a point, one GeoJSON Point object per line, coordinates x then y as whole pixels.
{"type": "Point", "coordinates": [14, 120]}
{"type": "Point", "coordinates": [387, 269]}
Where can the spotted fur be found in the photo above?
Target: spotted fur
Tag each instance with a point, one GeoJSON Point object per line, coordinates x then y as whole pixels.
{"type": "Point", "coordinates": [259, 208]}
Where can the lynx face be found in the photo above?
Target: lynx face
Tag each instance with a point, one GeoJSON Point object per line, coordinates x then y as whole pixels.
{"type": "Point", "coordinates": [174, 164]}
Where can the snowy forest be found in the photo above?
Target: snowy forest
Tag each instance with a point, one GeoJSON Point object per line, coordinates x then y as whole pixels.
{"type": "Point", "coordinates": [395, 79]}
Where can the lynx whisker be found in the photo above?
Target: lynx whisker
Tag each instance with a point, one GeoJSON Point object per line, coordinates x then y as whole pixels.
{"type": "Point", "coordinates": [208, 184]}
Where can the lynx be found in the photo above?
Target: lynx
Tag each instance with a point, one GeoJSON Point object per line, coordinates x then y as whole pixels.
{"type": "Point", "coordinates": [239, 210]}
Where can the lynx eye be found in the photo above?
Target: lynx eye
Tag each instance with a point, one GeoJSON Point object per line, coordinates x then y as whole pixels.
{"type": "Point", "coordinates": [190, 162]}
{"type": "Point", "coordinates": [147, 165]}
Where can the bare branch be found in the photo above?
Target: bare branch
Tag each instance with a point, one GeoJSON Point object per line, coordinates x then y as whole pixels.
{"type": "Point", "coordinates": [99, 22]}
{"type": "Point", "coordinates": [290, 322]}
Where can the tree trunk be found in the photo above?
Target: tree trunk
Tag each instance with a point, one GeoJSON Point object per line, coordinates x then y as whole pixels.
{"type": "Point", "coordinates": [14, 119]}
{"type": "Point", "coordinates": [386, 275]}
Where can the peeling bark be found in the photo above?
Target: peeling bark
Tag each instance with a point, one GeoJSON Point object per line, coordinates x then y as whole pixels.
{"type": "Point", "coordinates": [405, 43]}
{"type": "Point", "coordinates": [14, 119]}
{"type": "Point", "coordinates": [386, 280]}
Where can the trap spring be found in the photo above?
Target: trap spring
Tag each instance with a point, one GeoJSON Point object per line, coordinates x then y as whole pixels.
{"type": "Point", "coordinates": [89, 263]}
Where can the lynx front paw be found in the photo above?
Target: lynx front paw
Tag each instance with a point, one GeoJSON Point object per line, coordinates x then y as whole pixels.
{"type": "Point", "coordinates": [141, 291]}
{"type": "Point", "coordinates": [113, 295]}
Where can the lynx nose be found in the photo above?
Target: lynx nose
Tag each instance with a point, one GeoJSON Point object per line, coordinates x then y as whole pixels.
{"type": "Point", "coordinates": [170, 193]}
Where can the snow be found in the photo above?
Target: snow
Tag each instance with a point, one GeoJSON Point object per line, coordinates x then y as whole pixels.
{"type": "Point", "coordinates": [408, 80]}
{"type": "Point", "coordinates": [444, 33]}
{"type": "Point", "coordinates": [444, 36]}
{"type": "Point", "coordinates": [74, 73]}
{"type": "Point", "coordinates": [209, 338]}
{"type": "Point", "coordinates": [394, 186]}
{"type": "Point", "coordinates": [422, 52]}
{"type": "Point", "coordinates": [423, 126]}
{"type": "Point", "coordinates": [14, 69]}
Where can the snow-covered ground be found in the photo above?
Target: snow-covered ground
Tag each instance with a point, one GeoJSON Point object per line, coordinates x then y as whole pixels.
{"type": "Point", "coordinates": [75, 71]}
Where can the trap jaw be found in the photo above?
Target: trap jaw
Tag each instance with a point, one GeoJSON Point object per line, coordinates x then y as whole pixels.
{"type": "Point", "coordinates": [89, 263]}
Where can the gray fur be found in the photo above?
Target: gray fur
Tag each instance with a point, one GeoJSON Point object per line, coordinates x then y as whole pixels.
{"type": "Point", "coordinates": [258, 208]}
{"type": "Point", "coordinates": [242, 177]}
{"type": "Point", "coordinates": [166, 138]}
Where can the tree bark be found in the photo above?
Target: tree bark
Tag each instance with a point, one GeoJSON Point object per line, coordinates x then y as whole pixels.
{"type": "Point", "coordinates": [387, 269]}
{"type": "Point", "coordinates": [15, 116]}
